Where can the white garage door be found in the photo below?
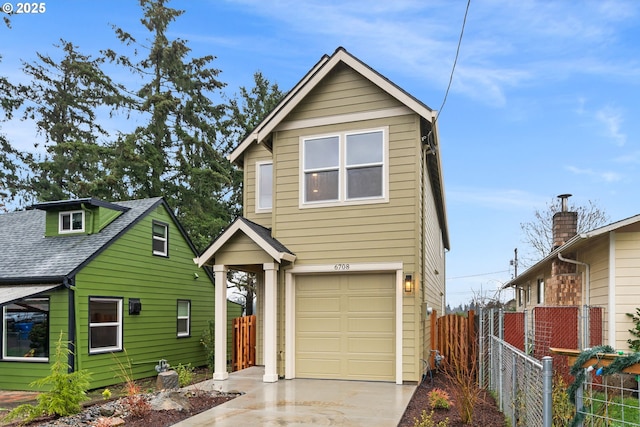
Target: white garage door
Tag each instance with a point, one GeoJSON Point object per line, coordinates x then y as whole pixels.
{"type": "Point", "coordinates": [345, 326]}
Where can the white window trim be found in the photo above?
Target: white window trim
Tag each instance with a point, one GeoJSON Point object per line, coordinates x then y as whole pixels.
{"type": "Point", "coordinates": [4, 338]}
{"type": "Point", "coordinates": [342, 168]}
{"type": "Point", "coordinates": [71, 230]}
{"type": "Point", "coordinates": [164, 239]}
{"type": "Point", "coordinates": [117, 347]}
{"type": "Point", "coordinates": [260, 209]}
{"type": "Point", "coordinates": [187, 317]}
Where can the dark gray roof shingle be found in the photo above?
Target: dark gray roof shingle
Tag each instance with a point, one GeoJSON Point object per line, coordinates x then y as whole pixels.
{"type": "Point", "coordinates": [27, 256]}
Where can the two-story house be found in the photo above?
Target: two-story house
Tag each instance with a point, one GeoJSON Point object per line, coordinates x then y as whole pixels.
{"type": "Point", "coordinates": [116, 279]}
{"type": "Point", "coordinates": [345, 223]}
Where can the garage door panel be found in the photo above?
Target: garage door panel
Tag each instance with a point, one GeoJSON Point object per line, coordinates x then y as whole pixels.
{"type": "Point", "coordinates": [371, 304]}
{"type": "Point", "coordinates": [369, 325]}
{"type": "Point", "coordinates": [318, 344]}
{"type": "Point", "coordinates": [319, 324]}
{"type": "Point", "coordinates": [345, 326]}
{"type": "Point", "coordinates": [316, 304]}
{"type": "Point", "coordinates": [371, 346]}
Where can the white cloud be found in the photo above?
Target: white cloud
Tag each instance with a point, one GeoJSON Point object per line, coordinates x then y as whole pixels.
{"type": "Point", "coordinates": [606, 176]}
{"type": "Point", "coordinates": [612, 119]}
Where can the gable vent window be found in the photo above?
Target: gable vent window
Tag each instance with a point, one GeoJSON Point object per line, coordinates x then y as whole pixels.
{"type": "Point", "coordinates": [160, 239]}
{"type": "Point", "coordinates": [347, 168]}
{"type": "Point", "coordinates": [71, 222]}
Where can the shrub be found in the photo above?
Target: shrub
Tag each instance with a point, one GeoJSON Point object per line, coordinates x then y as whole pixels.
{"type": "Point", "coordinates": [634, 344]}
{"type": "Point", "coordinates": [185, 374]}
{"type": "Point", "coordinates": [439, 399]}
{"type": "Point", "coordinates": [65, 391]}
{"type": "Point", "coordinates": [563, 410]}
{"type": "Point", "coordinates": [207, 340]}
{"type": "Point", "coordinates": [427, 421]}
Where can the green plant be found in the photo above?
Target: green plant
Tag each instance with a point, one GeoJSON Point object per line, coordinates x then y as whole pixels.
{"type": "Point", "coordinates": [185, 374]}
{"type": "Point", "coordinates": [634, 344]}
{"type": "Point", "coordinates": [135, 404]}
{"type": "Point", "coordinates": [106, 394]}
{"type": "Point", "coordinates": [65, 390]}
{"type": "Point", "coordinates": [439, 399]}
{"type": "Point", "coordinates": [427, 421]}
{"type": "Point", "coordinates": [563, 410]}
{"type": "Point", "coordinates": [207, 339]}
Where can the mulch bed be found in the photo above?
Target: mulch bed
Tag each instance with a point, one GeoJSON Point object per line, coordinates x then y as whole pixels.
{"type": "Point", "coordinates": [485, 412]}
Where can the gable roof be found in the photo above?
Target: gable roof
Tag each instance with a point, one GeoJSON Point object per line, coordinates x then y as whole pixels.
{"type": "Point", "coordinates": [30, 258]}
{"type": "Point", "coordinates": [327, 63]}
{"type": "Point", "coordinates": [260, 235]}
{"type": "Point", "coordinates": [574, 243]}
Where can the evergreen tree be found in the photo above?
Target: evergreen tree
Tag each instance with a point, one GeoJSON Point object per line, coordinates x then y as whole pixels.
{"type": "Point", "coordinates": [174, 153]}
{"type": "Point", "coordinates": [62, 99]}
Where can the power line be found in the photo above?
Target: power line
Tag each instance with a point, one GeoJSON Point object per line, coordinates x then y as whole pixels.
{"type": "Point", "coordinates": [478, 275]}
{"type": "Point", "coordinates": [455, 61]}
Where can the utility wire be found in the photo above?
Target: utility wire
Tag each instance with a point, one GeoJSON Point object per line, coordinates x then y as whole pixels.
{"type": "Point", "coordinates": [478, 275]}
{"type": "Point", "coordinates": [455, 61]}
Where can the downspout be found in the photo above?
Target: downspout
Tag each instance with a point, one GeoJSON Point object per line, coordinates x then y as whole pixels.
{"type": "Point", "coordinates": [586, 297]}
{"type": "Point", "coordinates": [71, 322]}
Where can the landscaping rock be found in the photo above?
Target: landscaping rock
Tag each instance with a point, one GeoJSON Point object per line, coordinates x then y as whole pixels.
{"type": "Point", "coordinates": [167, 380]}
{"type": "Point", "coordinates": [170, 400]}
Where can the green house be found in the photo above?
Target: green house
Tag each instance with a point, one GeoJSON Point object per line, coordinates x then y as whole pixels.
{"type": "Point", "coordinates": [116, 279]}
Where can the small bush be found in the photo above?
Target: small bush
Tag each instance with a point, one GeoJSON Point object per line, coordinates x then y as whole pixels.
{"type": "Point", "coordinates": [207, 340]}
{"type": "Point", "coordinates": [66, 391]}
{"type": "Point", "coordinates": [439, 399]}
{"type": "Point", "coordinates": [427, 421]}
{"type": "Point", "coordinates": [563, 410]}
{"type": "Point", "coordinates": [185, 374]}
{"type": "Point", "coordinates": [136, 405]}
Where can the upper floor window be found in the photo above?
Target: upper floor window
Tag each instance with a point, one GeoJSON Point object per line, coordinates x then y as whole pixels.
{"type": "Point", "coordinates": [105, 324]}
{"type": "Point", "coordinates": [349, 167]}
{"type": "Point", "coordinates": [160, 239]}
{"type": "Point", "coordinates": [71, 222]}
{"type": "Point", "coordinates": [540, 291]}
{"type": "Point", "coordinates": [264, 185]}
{"type": "Point", "coordinates": [26, 330]}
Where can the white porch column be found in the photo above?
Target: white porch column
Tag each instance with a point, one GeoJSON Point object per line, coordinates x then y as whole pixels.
{"type": "Point", "coordinates": [270, 322]}
{"type": "Point", "coordinates": [220, 343]}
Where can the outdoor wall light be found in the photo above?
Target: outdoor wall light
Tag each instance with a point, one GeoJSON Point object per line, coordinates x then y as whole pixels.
{"type": "Point", "coordinates": [408, 283]}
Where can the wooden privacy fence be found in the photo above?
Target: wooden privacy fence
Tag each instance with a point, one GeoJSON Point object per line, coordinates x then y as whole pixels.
{"type": "Point", "coordinates": [244, 342]}
{"type": "Point", "coordinates": [454, 336]}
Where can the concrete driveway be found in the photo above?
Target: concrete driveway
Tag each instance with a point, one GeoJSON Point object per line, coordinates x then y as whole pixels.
{"type": "Point", "coordinates": [302, 402]}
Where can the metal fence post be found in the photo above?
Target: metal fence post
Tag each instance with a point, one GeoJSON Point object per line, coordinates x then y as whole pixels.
{"type": "Point", "coordinates": [481, 343]}
{"type": "Point", "coordinates": [526, 331]}
{"type": "Point", "coordinates": [547, 391]}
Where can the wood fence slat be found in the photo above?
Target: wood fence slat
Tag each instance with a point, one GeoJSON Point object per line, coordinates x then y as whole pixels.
{"type": "Point", "coordinates": [244, 342]}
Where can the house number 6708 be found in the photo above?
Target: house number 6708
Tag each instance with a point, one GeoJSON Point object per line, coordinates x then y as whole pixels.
{"type": "Point", "coordinates": [341, 267]}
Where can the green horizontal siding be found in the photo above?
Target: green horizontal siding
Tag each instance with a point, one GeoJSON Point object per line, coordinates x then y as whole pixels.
{"type": "Point", "coordinates": [18, 375]}
{"type": "Point", "coordinates": [128, 269]}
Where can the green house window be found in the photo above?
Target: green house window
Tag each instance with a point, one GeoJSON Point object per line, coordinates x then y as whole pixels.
{"type": "Point", "coordinates": [105, 325]}
{"type": "Point", "coordinates": [184, 318]}
{"type": "Point", "coordinates": [71, 222]}
{"type": "Point", "coordinates": [160, 239]}
{"type": "Point", "coordinates": [26, 330]}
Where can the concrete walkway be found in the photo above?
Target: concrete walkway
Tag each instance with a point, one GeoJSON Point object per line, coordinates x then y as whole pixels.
{"type": "Point", "coordinates": [302, 402]}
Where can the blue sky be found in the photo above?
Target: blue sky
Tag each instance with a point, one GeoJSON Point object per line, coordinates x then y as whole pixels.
{"type": "Point", "coordinates": [544, 99]}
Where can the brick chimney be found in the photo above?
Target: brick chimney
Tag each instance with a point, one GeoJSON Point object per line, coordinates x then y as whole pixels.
{"type": "Point", "coordinates": [564, 285]}
{"type": "Point", "coordinates": [565, 223]}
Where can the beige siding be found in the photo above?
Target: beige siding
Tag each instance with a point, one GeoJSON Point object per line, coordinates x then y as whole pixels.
{"type": "Point", "coordinates": [627, 276]}
{"type": "Point", "coordinates": [257, 153]}
{"type": "Point", "coordinates": [342, 91]}
{"type": "Point", "coordinates": [239, 250]}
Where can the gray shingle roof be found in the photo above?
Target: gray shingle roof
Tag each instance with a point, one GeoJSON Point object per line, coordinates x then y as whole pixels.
{"type": "Point", "coordinates": [265, 233]}
{"type": "Point", "coordinates": [26, 256]}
